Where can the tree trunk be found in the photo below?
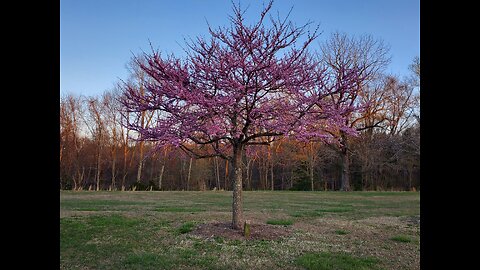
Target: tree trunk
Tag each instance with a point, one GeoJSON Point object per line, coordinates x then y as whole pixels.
{"type": "Point", "coordinates": [249, 175]}
{"type": "Point", "coordinates": [269, 164]}
{"type": "Point", "coordinates": [89, 173]}
{"type": "Point", "coordinates": [202, 186]}
{"type": "Point", "coordinates": [162, 169]}
{"type": "Point", "coordinates": [82, 176]}
{"type": "Point", "coordinates": [345, 175]}
{"type": "Point", "coordinates": [261, 184]}
{"type": "Point", "coordinates": [226, 174]}
{"type": "Point", "coordinates": [160, 177]}
{"type": "Point", "coordinates": [311, 166]}
{"type": "Point", "coordinates": [142, 120]}
{"type": "Point", "coordinates": [265, 181]}
{"type": "Point", "coordinates": [217, 172]}
{"type": "Point", "coordinates": [124, 176]}
{"type": "Point", "coordinates": [139, 171]}
{"type": "Point", "coordinates": [290, 184]}
{"type": "Point", "coordinates": [189, 173]}
{"type": "Point", "coordinates": [140, 164]}
{"type": "Point", "coordinates": [345, 171]}
{"type": "Point", "coordinates": [237, 205]}
{"type": "Point", "coordinates": [75, 187]}
{"type": "Point", "coordinates": [114, 161]}
{"type": "Point", "coordinates": [311, 176]}
{"type": "Point", "coordinates": [125, 155]}
{"type": "Point", "coordinates": [271, 175]}
{"type": "Point", "coordinates": [98, 169]}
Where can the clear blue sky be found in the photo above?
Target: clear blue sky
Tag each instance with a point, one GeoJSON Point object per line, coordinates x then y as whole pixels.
{"type": "Point", "coordinates": [97, 37]}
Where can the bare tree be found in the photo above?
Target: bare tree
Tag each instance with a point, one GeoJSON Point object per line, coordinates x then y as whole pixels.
{"type": "Point", "coordinates": [415, 69]}
{"type": "Point", "coordinates": [400, 105]}
{"type": "Point", "coordinates": [113, 126]}
{"type": "Point", "coordinates": [342, 54]}
{"type": "Point", "coordinates": [71, 144]}
{"type": "Point", "coordinates": [96, 125]}
{"type": "Point", "coordinates": [125, 140]}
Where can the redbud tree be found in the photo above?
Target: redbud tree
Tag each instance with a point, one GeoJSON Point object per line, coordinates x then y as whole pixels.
{"type": "Point", "coordinates": [246, 84]}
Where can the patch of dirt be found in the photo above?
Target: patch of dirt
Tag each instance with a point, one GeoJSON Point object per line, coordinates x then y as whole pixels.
{"type": "Point", "coordinates": [257, 231]}
{"type": "Point", "coordinates": [413, 220]}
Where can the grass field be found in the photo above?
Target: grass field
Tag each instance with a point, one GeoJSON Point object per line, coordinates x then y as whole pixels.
{"type": "Point", "coordinates": [158, 230]}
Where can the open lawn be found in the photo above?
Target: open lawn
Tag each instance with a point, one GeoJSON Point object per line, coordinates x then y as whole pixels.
{"type": "Point", "coordinates": [290, 230]}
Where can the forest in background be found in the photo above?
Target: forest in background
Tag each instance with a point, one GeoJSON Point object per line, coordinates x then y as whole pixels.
{"type": "Point", "coordinates": [98, 152]}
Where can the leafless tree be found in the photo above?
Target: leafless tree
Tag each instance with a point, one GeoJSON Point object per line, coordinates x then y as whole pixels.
{"type": "Point", "coordinates": [365, 55]}
{"type": "Point", "coordinates": [400, 103]}
{"type": "Point", "coordinates": [95, 122]}
{"type": "Point", "coordinates": [71, 144]}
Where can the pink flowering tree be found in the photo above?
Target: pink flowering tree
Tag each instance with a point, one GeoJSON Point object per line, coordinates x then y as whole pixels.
{"type": "Point", "coordinates": [247, 84]}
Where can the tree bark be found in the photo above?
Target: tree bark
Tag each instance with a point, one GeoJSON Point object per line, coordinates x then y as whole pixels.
{"type": "Point", "coordinates": [114, 161]}
{"type": "Point", "coordinates": [189, 174]}
{"type": "Point", "coordinates": [142, 122]}
{"type": "Point", "coordinates": [237, 205]}
{"type": "Point", "coordinates": [140, 164]}
{"type": "Point", "coordinates": [266, 175]}
{"type": "Point", "coordinates": [270, 162]}
{"type": "Point", "coordinates": [226, 174]}
{"type": "Point", "coordinates": [311, 166]}
{"type": "Point", "coordinates": [125, 156]}
{"type": "Point", "coordinates": [311, 176]}
{"type": "Point", "coordinates": [162, 169]}
{"type": "Point", "coordinates": [75, 187]}
{"type": "Point", "coordinates": [217, 172]}
{"type": "Point", "coordinates": [97, 177]}
{"type": "Point", "coordinates": [249, 175]}
{"type": "Point", "coordinates": [345, 171]}
{"type": "Point", "coordinates": [271, 176]}
{"type": "Point", "coordinates": [160, 177]}
{"type": "Point", "coordinates": [345, 175]}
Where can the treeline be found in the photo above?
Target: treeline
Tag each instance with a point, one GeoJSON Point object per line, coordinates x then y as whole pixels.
{"type": "Point", "coordinates": [97, 152]}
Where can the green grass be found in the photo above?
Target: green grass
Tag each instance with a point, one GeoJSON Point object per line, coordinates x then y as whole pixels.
{"type": "Point", "coordinates": [402, 239]}
{"type": "Point", "coordinates": [285, 222]}
{"type": "Point", "coordinates": [335, 210]}
{"type": "Point", "coordinates": [97, 237]}
{"type": "Point", "coordinates": [101, 205]}
{"type": "Point", "coordinates": [338, 261]}
{"type": "Point", "coordinates": [179, 209]}
{"type": "Point", "coordinates": [146, 260]}
{"type": "Point", "coordinates": [154, 230]}
{"type": "Point", "coordinates": [186, 227]}
{"type": "Point", "coordinates": [308, 214]}
{"type": "Point", "coordinates": [320, 212]}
